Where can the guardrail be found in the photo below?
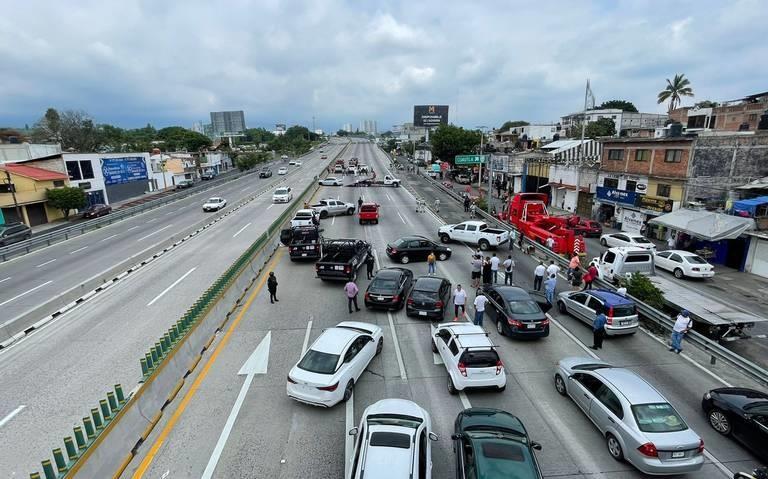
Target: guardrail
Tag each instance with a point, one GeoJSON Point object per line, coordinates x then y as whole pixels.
{"type": "Point", "coordinates": [658, 319]}
{"type": "Point", "coordinates": [104, 445]}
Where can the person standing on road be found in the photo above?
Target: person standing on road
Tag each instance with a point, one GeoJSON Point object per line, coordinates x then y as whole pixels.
{"type": "Point", "coordinates": [459, 302]}
{"type": "Point", "coordinates": [466, 204]}
{"type": "Point", "coordinates": [480, 301]}
{"type": "Point", "coordinates": [487, 272]}
{"type": "Point", "coordinates": [576, 279]}
{"type": "Point", "coordinates": [573, 265]}
{"type": "Point", "coordinates": [509, 266]}
{"type": "Point", "coordinates": [538, 276]}
{"type": "Point", "coordinates": [477, 266]}
{"type": "Point", "coordinates": [549, 288]}
{"type": "Point", "coordinates": [553, 268]}
{"type": "Point", "coordinates": [598, 332]}
{"type": "Point", "coordinates": [351, 290]}
{"type": "Point", "coordinates": [359, 203]}
{"type": "Point", "coordinates": [671, 242]}
{"type": "Point", "coordinates": [683, 324]}
{"type": "Point", "coordinates": [472, 210]}
{"type": "Point", "coordinates": [590, 276]}
{"type": "Point", "coordinates": [550, 243]}
{"type": "Point", "coordinates": [495, 261]}
{"type": "Point", "coordinates": [272, 287]}
{"type": "Point", "coordinates": [431, 259]}
{"type": "Point", "coordinates": [369, 263]}
{"type": "Point", "coordinates": [437, 205]}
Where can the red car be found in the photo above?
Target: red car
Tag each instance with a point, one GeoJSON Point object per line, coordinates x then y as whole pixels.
{"type": "Point", "coordinates": [588, 229]}
{"type": "Point", "coordinates": [369, 213]}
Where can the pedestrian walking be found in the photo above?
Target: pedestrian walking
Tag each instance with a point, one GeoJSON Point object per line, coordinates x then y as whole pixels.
{"type": "Point", "coordinates": [437, 205]}
{"type": "Point", "coordinates": [576, 279]}
{"type": "Point", "coordinates": [272, 287]}
{"type": "Point", "coordinates": [553, 268]}
{"type": "Point", "coordinates": [495, 261]}
{"type": "Point", "coordinates": [598, 332]}
{"type": "Point", "coordinates": [351, 290]}
{"type": "Point", "coordinates": [477, 266]}
{"type": "Point", "coordinates": [467, 202]}
{"type": "Point", "coordinates": [487, 273]}
{"type": "Point", "coordinates": [550, 243]}
{"type": "Point", "coordinates": [359, 203]}
{"type": "Point", "coordinates": [369, 263]}
{"type": "Point", "coordinates": [590, 276]}
{"type": "Point", "coordinates": [431, 260]}
{"type": "Point", "coordinates": [549, 288]}
{"type": "Point", "coordinates": [472, 210]}
{"type": "Point", "coordinates": [573, 265]}
{"type": "Point", "coordinates": [683, 324]}
{"type": "Point", "coordinates": [671, 243]}
{"type": "Point", "coordinates": [538, 276]}
{"type": "Point", "coordinates": [480, 301]}
{"type": "Point", "coordinates": [509, 266]}
{"type": "Point", "coordinates": [459, 302]}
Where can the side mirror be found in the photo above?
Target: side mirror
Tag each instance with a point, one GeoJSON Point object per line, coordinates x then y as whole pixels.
{"type": "Point", "coordinates": [371, 340]}
{"type": "Point", "coordinates": [353, 431]}
{"type": "Point", "coordinates": [320, 230]}
{"type": "Point", "coordinates": [456, 436]}
{"type": "Point", "coordinates": [535, 445]}
{"type": "Point", "coordinates": [433, 436]}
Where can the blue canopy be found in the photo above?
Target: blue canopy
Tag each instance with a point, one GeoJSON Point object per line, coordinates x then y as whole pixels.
{"type": "Point", "coordinates": [750, 205]}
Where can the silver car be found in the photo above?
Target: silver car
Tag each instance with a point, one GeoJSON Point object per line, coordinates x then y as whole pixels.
{"type": "Point", "coordinates": [620, 312]}
{"type": "Point", "coordinates": [638, 424]}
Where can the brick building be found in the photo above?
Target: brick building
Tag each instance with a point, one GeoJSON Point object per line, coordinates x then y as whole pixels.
{"type": "Point", "coordinates": [736, 115]}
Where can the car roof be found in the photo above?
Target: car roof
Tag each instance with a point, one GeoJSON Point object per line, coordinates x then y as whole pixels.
{"type": "Point", "coordinates": [281, 188]}
{"type": "Point", "coordinates": [428, 283]}
{"type": "Point", "coordinates": [396, 406]}
{"type": "Point", "coordinates": [609, 297]}
{"type": "Point", "coordinates": [511, 293]}
{"type": "Point", "coordinates": [334, 340]}
{"type": "Point", "coordinates": [215, 198]}
{"type": "Point", "coordinates": [742, 397]}
{"type": "Point", "coordinates": [633, 387]}
{"type": "Point", "coordinates": [469, 335]}
{"type": "Point", "coordinates": [393, 272]}
{"type": "Point", "coordinates": [484, 416]}
{"type": "Point", "coordinates": [415, 237]}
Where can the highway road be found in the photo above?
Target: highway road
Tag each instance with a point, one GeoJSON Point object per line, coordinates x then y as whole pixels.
{"type": "Point", "coordinates": [276, 437]}
{"type": "Point", "coordinates": [53, 377]}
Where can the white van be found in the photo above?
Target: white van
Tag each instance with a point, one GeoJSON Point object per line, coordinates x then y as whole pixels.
{"type": "Point", "coordinates": [623, 261]}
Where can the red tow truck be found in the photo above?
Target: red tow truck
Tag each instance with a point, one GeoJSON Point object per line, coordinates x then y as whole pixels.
{"type": "Point", "coordinates": [528, 213]}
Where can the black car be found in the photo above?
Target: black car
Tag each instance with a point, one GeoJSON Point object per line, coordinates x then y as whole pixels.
{"type": "Point", "coordinates": [14, 232]}
{"type": "Point", "coordinates": [741, 413]}
{"type": "Point", "coordinates": [208, 175]}
{"type": "Point", "coordinates": [517, 312]}
{"type": "Point", "coordinates": [493, 443]}
{"type": "Point", "coordinates": [388, 288]}
{"type": "Point", "coordinates": [265, 172]}
{"type": "Point", "coordinates": [429, 297]}
{"type": "Point", "coordinates": [416, 248]}
{"type": "Point", "coordinates": [94, 211]}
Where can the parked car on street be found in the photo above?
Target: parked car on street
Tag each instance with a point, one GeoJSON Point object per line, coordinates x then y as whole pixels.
{"type": "Point", "coordinates": [214, 204]}
{"type": "Point", "coordinates": [305, 217]}
{"type": "Point", "coordinates": [429, 298]}
{"type": "Point", "coordinates": [638, 423]}
{"type": "Point", "coordinates": [620, 312]}
{"type": "Point", "coordinates": [684, 264]}
{"type": "Point", "coordinates": [474, 232]}
{"type": "Point", "coordinates": [741, 413]}
{"type": "Point", "coordinates": [13, 233]}
{"type": "Point", "coordinates": [369, 213]}
{"type": "Point", "coordinates": [491, 443]}
{"type": "Point", "coordinates": [282, 171]}
{"type": "Point", "coordinates": [96, 210]}
{"type": "Point", "coordinates": [265, 172]}
{"type": "Point", "coordinates": [416, 248]}
{"type": "Point", "coordinates": [388, 288]}
{"type": "Point", "coordinates": [284, 194]}
{"type": "Point", "coordinates": [333, 207]}
{"type": "Point", "coordinates": [342, 258]}
{"type": "Point", "coordinates": [517, 312]}
{"type": "Point", "coordinates": [330, 181]}
{"type": "Point", "coordinates": [327, 372]}
{"type": "Point", "coordinates": [588, 228]}
{"type": "Point", "coordinates": [469, 357]}
{"type": "Point", "coordinates": [182, 184]}
{"type": "Point", "coordinates": [208, 175]}
{"type": "Point", "coordinates": [627, 239]}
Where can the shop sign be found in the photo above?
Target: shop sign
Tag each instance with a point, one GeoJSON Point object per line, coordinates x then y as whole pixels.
{"type": "Point", "coordinates": [632, 220]}
{"type": "Point", "coordinates": [617, 196]}
{"type": "Point", "coordinates": [655, 203]}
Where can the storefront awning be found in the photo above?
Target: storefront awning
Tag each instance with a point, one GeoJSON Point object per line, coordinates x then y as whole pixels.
{"type": "Point", "coordinates": [750, 205]}
{"type": "Point", "coordinates": [706, 225]}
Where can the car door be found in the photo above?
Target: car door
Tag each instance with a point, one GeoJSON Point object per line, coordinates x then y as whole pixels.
{"type": "Point", "coordinates": [494, 304]}
{"type": "Point", "coordinates": [582, 387]}
{"type": "Point", "coordinates": [662, 260]}
{"type": "Point", "coordinates": [575, 304]}
{"type": "Point", "coordinates": [441, 341]}
{"type": "Point", "coordinates": [592, 308]}
{"type": "Point", "coordinates": [605, 409]}
{"type": "Point", "coordinates": [471, 234]}
{"type": "Point", "coordinates": [459, 233]}
{"type": "Point", "coordinates": [423, 249]}
{"type": "Point", "coordinates": [367, 347]}
{"type": "Point", "coordinates": [350, 364]}
{"type": "Point", "coordinates": [676, 261]}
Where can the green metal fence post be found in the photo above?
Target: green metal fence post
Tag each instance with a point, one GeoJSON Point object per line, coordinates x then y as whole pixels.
{"type": "Point", "coordinates": [90, 429]}
{"type": "Point", "coordinates": [112, 400]}
{"type": "Point", "coordinates": [69, 445]}
{"type": "Point", "coordinates": [144, 367]}
{"type": "Point", "coordinates": [105, 409]}
{"type": "Point", "coordinates": [153, 353]}
{"type": "Point", "coordinates": [48, 469]}
{"type": "Point", "coordinates": [150, 362]}
{"type": "Point", "coordinates": [34, 475]}
{"type": "Point", "coordinates": [58, 457]}
{"type": "Point", "coordinates": [79, 437]}
{"type": "Point", "coordinates": [97, 419]}
{"type": "Point", "coordinates": [119, 394]}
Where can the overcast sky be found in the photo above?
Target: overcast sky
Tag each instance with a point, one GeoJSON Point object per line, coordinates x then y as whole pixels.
{"type": "Point", "coordinates": [168, 62]}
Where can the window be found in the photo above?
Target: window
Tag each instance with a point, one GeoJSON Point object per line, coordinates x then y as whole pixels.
{"type": "Point", "coordinates": [673, 156]}
{"type": "Point", "coordinates": [631, 185]}
{"type": "Point", "coordinates": [642, 155]}
{"type": "Point", "coordinates": [471, 227]}
{"type": "Point", "coordinates": [58, 183]}
{"type": "Point", "coordinates": [609, 257]}
{"type": "Point", "coordinates": [454, 349]}
{"type": "Point", "coordinates": [609, 400]}
{"type": "Point", "coordinates": [615, 154]}
{"type": "Point", "coordinates": [753, 117]}
{"type": "Point", "coordinates": [676, 258]}
{"type": "Point", "coordinates": [87, 169]}
{"type": "Point", "coordinates": [591, 383]}
{"type": "Point", "coordinates": [611, 182]}
{"type": "Point", "coordinates": [658, 417]}
{"type": "Point", "coordinates": [579, 298]}
{"type": "Point", "coordinates": [73, 169]}
{"type": "Point", "coordinates": [663, 190]}
{"type": "Point", "coordinates": [595, 305]}
{"type": "Point", "coordinates": [712, 121]}
{"type": "Point", "coordinates": [460, 228]}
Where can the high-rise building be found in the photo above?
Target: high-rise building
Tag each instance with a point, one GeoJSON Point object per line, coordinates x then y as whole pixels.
{"type": "Point", "coordinates": [197, 127]}
{"type": "Point", "coordinates": [227, 122]}
{"type": "Point", "coordinates": [347, 127]}
{"type": "Point", "coordinates": [368, 126]}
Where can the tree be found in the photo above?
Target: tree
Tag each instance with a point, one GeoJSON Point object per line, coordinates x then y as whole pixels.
{"type": "Point", "coordinates": [246, 161]}
{"type": "Point", "coordinates": [450, 140]}
{"type": "Point", "coordinates": [676, 88]}
{"type": "Point", "coordinates": [706, 104]}
{"type": "Point", "coordinates": [623, 105]}
{"type": "Point", "coordinates": [640, 287]}
{"type": "Point", "coordinates": [601, 127]}
{"type": "Point", "coordinates": [48, 128]}
{"type": "Point", "coordinates": [511, 124]}
{"type": "Point", "coordinates": [66, 199]}
{"type": "Point", "coordinates": [342, 133]}
{"type": "Point", "coordinates": [259, 135]}
{"type": "Point", "coordinates": [387, 134]}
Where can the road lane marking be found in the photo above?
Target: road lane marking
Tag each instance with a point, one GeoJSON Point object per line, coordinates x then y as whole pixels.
{"type": "Point", "coordinates": [464, 400]}
{"type": "Point", "coordinates": [306, 337]}
{"type": "Point", "coordinates": [154, 232]}
{"type": "Point", "coordinates": [241, 230]}
{"type": "Point", "coordinates": [398, 353]}
{"type": "Point", "coordinates": [151, 220]}
{"type": "Point", "coordinates": [23, 294]}
{"type": "Point", "coordinates": [401, 218]}
{"type": "Point", "coordinates": [349, 441]}
{"type": "Point", "coordinates": [270, 206]}
{"type": "Point", "coordinates": [47, 262]}
{"type": "Point", "coordinates": [78, 250]}
{"type": "Point", "coordinates": [388, 197]}
{"type": "Point", "coordinates": [573, 338]}
{"type": "Point", "coordinates": [6, 279]}
{"type": "Point", "coordinates": [108, 237]}
{"type": "Point", "coordinates": [132, 228]}
{"type": "Point", "coordinates": [171, 286]}
{"type": "Point", "coordinates": [13, 413]}
{"type": "Point", "coordinates": [163, 436]}
{"type": "Point", "coordinates": [333, 220]}
{"type": "Point", "coordinates": [170, 212]}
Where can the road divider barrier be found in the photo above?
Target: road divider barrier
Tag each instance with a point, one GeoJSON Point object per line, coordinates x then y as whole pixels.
{"type": "Point", "coordinates": [110, 436]}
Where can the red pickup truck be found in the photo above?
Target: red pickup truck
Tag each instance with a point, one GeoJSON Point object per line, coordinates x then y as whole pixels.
{"type": "Point", "coordinates": [369, 213]}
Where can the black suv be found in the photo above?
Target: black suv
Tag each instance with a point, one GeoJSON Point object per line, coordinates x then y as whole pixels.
{"type": "Point", "coordinates": [265, 173]}
{"type": "Point", "coordinates": [14, 232]}
{"type": "Point", "coordinates": [388, 288]}
{"type": "Point", "coordinates": [517, 312]}
{"type": "Point", "coordinates": [416, 248]}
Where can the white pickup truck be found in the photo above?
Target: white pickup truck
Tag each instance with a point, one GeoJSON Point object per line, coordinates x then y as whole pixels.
{"type": "Point", "coordinates": [391, 181]}
{"type": "Point", "coordinates": [474, 232]}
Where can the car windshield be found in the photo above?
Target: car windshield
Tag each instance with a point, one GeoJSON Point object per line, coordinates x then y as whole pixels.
{"type": "Point", "coordinates": [318, 362]}
{"type": "Point", "coordinates": [281, 191]}
{"type": "Point", "coordinates": [640, 239]}
{"type": "Point", "coordinates": [394, 420]}
{"type": "Point", "coordinates": [424, 295]}
{"type": "Point", "coordinates": [384, 284]}
{"type": "Point", "coordinates": [524, 307]}
{"type": "Point", "coordinates": [368, 209]}
{"type": "Point", "coordinates": [401, 243]}
{"type": "Point", "coordinates": [623, 310]}
{"type": "Point", "coordinates": [658, 417]}
{"type": "Point", "coordinates": [694, 259]}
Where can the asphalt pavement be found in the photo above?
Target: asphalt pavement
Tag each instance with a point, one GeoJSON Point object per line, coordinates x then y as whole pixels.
{"type": "Point", "coordinates": [274, 436]}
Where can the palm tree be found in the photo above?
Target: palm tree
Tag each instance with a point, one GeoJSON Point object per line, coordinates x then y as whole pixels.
{"type": "Point", "coordinates": [676, 88]}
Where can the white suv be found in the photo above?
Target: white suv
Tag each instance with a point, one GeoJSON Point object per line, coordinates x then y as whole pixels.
{"type": "Point", "coordinates": [393, 440]}
{"type": "Point", "coordinates": [469, 356]}
{"type": "Point", "coordinates": [282, 195]}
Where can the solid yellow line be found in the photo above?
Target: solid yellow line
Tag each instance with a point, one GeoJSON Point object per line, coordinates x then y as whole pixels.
{"type": "Point", "coordinates": [142, 469]}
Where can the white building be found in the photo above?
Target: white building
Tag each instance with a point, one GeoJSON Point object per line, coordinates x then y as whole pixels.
{"type": "Point", "coordinates": [109, 177]}
{"type": "Point", "coordinates": [347, 127]}
{"type": "Point", "coordinates": [15, 152]}
{"type": "Point", "coordinates": [543, 132]}
{"type": "Point", "coordinates": [368, 126]}
{"type": "Point", "coordinates": [632, 124]}
{"type": "Point", "coordinates": [562, 180]}
{"type": "Point", "coordinates": [279, 129]}
{"type": "Point", "coordinates": [197, 127]}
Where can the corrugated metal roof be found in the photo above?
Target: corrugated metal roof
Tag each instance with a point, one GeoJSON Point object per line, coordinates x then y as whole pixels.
{"type": "Point", "coordinates": [38, 174]}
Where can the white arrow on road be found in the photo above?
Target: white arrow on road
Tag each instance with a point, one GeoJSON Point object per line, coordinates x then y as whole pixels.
{"type": "Point", "coordinates": [256, 364]}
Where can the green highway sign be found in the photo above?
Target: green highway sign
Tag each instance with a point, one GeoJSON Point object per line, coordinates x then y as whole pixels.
{"type": "Point", "coordinates": [471, 159]}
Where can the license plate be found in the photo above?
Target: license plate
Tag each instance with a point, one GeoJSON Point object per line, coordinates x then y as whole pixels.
{"type": "Point", "coordinates": [380, 298]}
{"type": "Point", "coordinates": [339, 268]}
{"type": "Point", "coordinates": [530, 326]}
{"type": "Point", "coordinates": [678, 454]}
{"type": "Point", "coordinates": [303, 254]}
{"type": "Point", "coordinates": [422, 313]}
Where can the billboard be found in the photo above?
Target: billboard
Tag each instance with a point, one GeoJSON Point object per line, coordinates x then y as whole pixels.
{"type": "Point", "coordinates": [616, 195]}
{"type": "Point", "coordinates": [430, 115]}
{"type": "Point", "coordinates": [123, 170]}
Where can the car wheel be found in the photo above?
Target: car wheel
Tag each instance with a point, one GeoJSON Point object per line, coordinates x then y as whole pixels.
{"type": "Point", "coordinates": [503, 388]}
{"type": "Point", "coordinates": [445, 238]}
{"type": "Point", "coordinates": [679, 273]}
{"type": "Point", "coordinates": [351, 211]}
{"type": "Point", "coordinates": [442, 256]}
{"type": "Point", "coordinates": [719, 421]}
{"type": "Point", "coordinates": [451, 387]}
{"type": "Point", "coordinates": [348, 390]}
{"type": "Point", "coordinates": [434, 347]}
{"type": "Point", "coordinates": [484, 245]}
{"type": "Point", "coordinates": [375, 222]}
{"type": "Point", "coordinates": [614, 447]}
{"type": "Point", "coordinates": [500, 328]}
{"type": "Point", "coordinates": [561, 307]}
{"type": "Point", "coordinates": [405, 259]}
{"type": "Point", "coordinates": [323, 215]}
{"type": "Point", "coordinates": [379, 346]}
{"type": "Point", "coordinates": [560, 385]}
{"type": "Point", "coordinates": [361, 221]}
{"type": "Point", "coordinates": [603, 242]}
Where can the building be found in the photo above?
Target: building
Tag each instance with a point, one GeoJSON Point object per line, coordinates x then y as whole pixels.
{"type": "Point", "coordinates": [627, 123]}
{"type": "Point", "coordinates": [109, 177]}
{"type": "Point", "coordinates": [168, 169]}
{"type": "Point", "coordinates": [347, 127]}
{"type": "Point", "coordinates": [368, 126]}
{"type": "Point", "coordinates": [24, 193]}
{"type": "Point", "coordinates": [279, 130]}
{"type": "Point", "coordinates": [544, 133]}
{"type": "Point", "coordinates": [409, 132]}
{"type": "Point", "coordinates": [197, 127]}
{"type": "Point", "coordinates": [208, 130]}
{"type": "Point", "coordinates": [227, 123]}
{"type": "Point", "coordinates": [735, 115]}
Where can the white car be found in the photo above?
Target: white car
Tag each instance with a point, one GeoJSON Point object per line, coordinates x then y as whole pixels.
{"type": "Point", "coordinates": [306, 217]}
{"type": "Point", "coordinates": [393, 440]}
{"type": "Point", "coordinates": [682, 264]}
{"type": "Point", "coordinates": [297, 162]}
{"type": "Point", "coordinates": [327, 372]}
{"type": "Point", "coordinates": [627, 239]}
{"type": "Point", "coordinates": [330, 181]}
{"type": "Point", "coordinates": [469, 357]}
{"type": "Point", "coordinates": [214, 204]}
{"type": "Point", "coordinates": [282, 195]}
{"type": "Point", "coordinates": [292, 163]}
{"type": "Point", "coordinates": [282, 171]}
{"type": "Point", "coordinates": [284, 157]}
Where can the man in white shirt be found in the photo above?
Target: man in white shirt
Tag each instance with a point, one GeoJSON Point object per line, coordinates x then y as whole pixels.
{"type": "Point", "coordinates": [682, 324]}
{"type": "Point", "coordinates": [480, 301]}
{"type": "Point", "coordinates": [538, 276]}
{"type": "Point", "coordinates": [495, 267]}
{"type": "Point", "coordinates": [509, 266]}
{"type": "Point", "coordinates": [459, 300]}
{"type": "Point", "coordinates": [550, 242]}
{"type": "Point", "coordinates": [552, 268]}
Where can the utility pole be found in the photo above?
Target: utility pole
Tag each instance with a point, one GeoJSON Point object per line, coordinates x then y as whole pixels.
{"type": "Point", "coordinates": [480, 170]}
{"type": "Point", "coordinates": [12, 189]}
{"type": "Point", "coordinates": [580, 160]}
